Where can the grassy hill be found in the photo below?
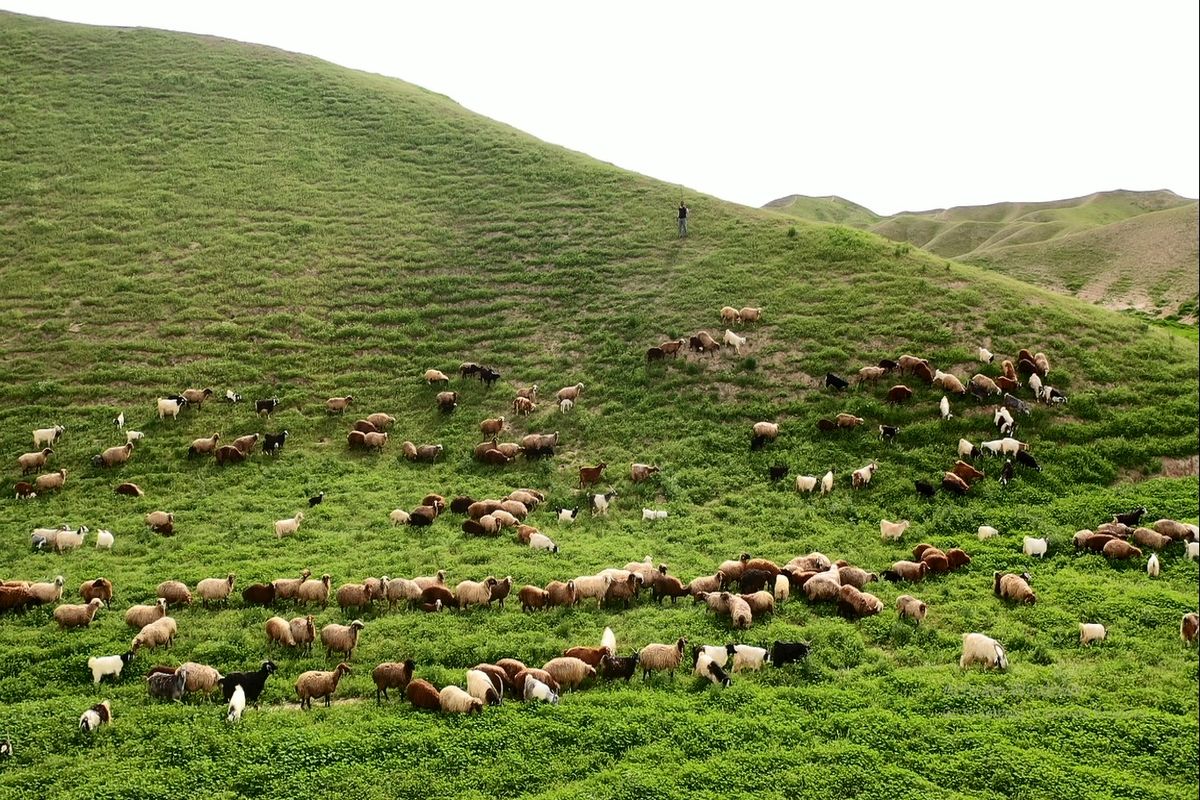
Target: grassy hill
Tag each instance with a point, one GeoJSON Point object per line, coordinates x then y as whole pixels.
{"type": "Point", "coordinates": [1119, 249]}
{"type": "Point", "coordinates": [182, 211]}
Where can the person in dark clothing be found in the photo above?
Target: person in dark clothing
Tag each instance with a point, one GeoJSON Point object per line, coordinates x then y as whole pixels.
{"type": "Point", "coordinates": [683, 218]}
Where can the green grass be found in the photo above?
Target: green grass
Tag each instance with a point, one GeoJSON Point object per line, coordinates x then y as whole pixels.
{"type": "Point", "coordinates": [1121, 249]}
{"type": "Point", "coordinates": [181, 211]}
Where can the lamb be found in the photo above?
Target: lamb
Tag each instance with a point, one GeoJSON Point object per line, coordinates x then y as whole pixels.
{"type": "Point", "coordinates": [1034, 547]}
{"type": "Point", "coordinates": [763, 432]}
{"type": "Point", "coordinates": [734, 341]}
{"type": "Point", "coordinates": [161, 632]}
{"type": "Point", "coordinates": [1042, 363]}
{"type": "Point", "coordinates": [94, 717]}
{"type": "Point", "coordinates": [341, 638]}
{"type": "Point", "coordinates": [987, 532]}
{"type": "Point", "coordinates": [855, 604]}
{"type": "Point", "coordinates": [983, 649]}
{"type": "Point", "coordinates": [50, 481]}
{"type": "Point", "coordinates": [43, 593]}
{"type": "Point", "coordinates": [213, 589]}
{"type": "Point", "coordinates": [237, 704]}
{"type": "Point", "coordinates": [169, 407]}
{"type": "Point", "coordinates": [252, 683]}
{"type": "Point", "coordinates": [304, 633]}
{"type": "Point", "coordinates": [570, 672]}
{"type": "Point", "coordinates": [910, 607]}
{"type": "Point", "coordinates": [888, 433]}
{"type": "Point", "coordinates": [661, 657]}
{"type": "Point", "coordinates": [32, 462]}
{"type": "Point", "coordinates": [1013, 587]}
{"type": "Point", "coordinates": [474, 593]}
{"type": "Point", "coordinates": [313, 590]}
{"type": "Point", "coordinates": [782, 588]}
{"type": "Point", "coordinates": [287, 527]}
{"type": "Point", "coordinates": [101, 666]}
{"type": "Point", "coordinates": [46, 436]}
{"type": "Point", "coordinates": [861, 477]}
{"type": "Point", "coordinates": [77, 616]}
{"type": "Point", "coordinates": [141, 616]}
{"type": "Point", "coordinates": [104, 540]}
{"type": "Point", "coordinates": [316, 683]}
{"type": "Point", "coordinates": [893, 530]}
{"type": "Point", "coordinates": [1188, 626]}
{"type": "Point", "coordinates": [944, 408]}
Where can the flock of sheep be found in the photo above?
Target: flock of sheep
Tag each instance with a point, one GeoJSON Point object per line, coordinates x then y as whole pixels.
{"type": "Point", "coordinates": [760, 583]}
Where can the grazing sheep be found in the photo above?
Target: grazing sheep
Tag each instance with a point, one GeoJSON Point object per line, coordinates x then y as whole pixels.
{"type": "Point", "coordinates": [661, 657]}
{"type": "Point", "coordinates": [861, 477]}
{"type": "Point", "coordinates": [287, 527]}
{"type": "Point", "coordinates": [1177, 531]}
{"type": "Point", "coordinates": [1091, 632]}
{"type": "Point", "coordinates": [749, 314]}
{"type": "Point", "coordinates": [1193, 551]}
{"type": "Point", "coordinates": [46, 436]}
{"type": "Point", "coordinates": [483, 687]}
{"type": "Point", "coordinates": [474, 593]}
{"type": "Point", "coordinates": [32, 462]}
{"type": "Point", "coordinates": [94, 717]}
{"type": "Point", "coordinates": [855, 604]}
{"type": "Point", "coordinates": [954, 484]}
{"type": "Point", "coordinates": [316, 683]}
{"type": "Point", "coordinates": [108, 665]}
{"type": "Point", "coordinates": [279, 632]}
{"type": "Point", "coordinates": [425, 452]}
{"type": "Point", "coordinates": [616, 668]}
{"type": "Point", "coordinates": [237, 705]}
{"type": "Point", "coordinates": [77, 616]}
{"type": "Point", "coordinates": [313, 590]}
{"type": "Point", "coordinates": [827, 482]}
{"type": "Point", "coordinates": [1034, 547]}
{"type": "Point", "coordinates": [910, 607]}
{"type": "Point", "coordinates": [893, 530]}
{"type": "Point", "coordinates": [1013, 587]}
{"type": "Point", "coordinates": [141, 616]}
{"type": "Point", "coordinates": [734, 341]}
{"type": "Point", "coordinates": [592, 586]}
{"type": "Point", "coordinates": [706, 667]}
{"type": "Point", "coordinates": [535, 689]}
{"type": "Point", "coordinates": [910, 571]}
{"type": "Point", "coordinates": [1118, 550]}
{"type": "Point", "coordinates": [983, 384]}
{"type": "Point", "coordinates": [1149, 538]}
{"type": "Point", "coordinates": [50, 481]}
{"type": "Point", "coordinates": [846, 421]}
{"type": "Point", "coordinates": [161, 632]}
{"type": "Point", "coordinates": [24, 491]}
{"type": "Point", "coordinates": [201, 678]}
{"type": "Point", "coordinates": [729, 315]}
{"type": "Point", "coordinates": [304, 633]}
{"type": "Point", "coordinates": [563, 594]}
{"type": "Point", "coordinates": [43, 593]}
{"type": "Point", "coordinates": [203, 447]}
{"type": "Point", "coordinates": [784, 653]}
{"type": "Point", "coordinates": [169, 407]}
{"type": "Point", "coordinates": [423, 694]}
{"type": "Point", "coordinates": [341, 638]}
{"type": "Point", "coordinates": [1188, 626]}
{"type": "Point", "coordinates": [569, 671]}
{"type": "Point", "coordinates": [104, 540]}
{"type": "Point", "coordinates": [213, 589]}
{"type": "Point", "coordinates": [983, 649]}
{"type": "Point", "coordinates": [870, 374]}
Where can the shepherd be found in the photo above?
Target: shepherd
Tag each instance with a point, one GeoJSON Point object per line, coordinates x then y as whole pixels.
{"type": "Point", "coordinates": [683, 217]}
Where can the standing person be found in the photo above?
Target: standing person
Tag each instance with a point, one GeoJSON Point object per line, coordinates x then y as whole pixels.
{"type": "Point", "coordinates": [683, 217]}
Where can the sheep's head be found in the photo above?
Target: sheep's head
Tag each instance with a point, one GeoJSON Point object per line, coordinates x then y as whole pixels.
{"type": "Point", "coordinates": [357, 625]}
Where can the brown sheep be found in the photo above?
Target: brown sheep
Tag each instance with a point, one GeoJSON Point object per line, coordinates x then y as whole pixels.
{"type": "Point", "coordinates": [32, 462]}
{"type": "Point", "coordinates": [957, 558]}
{"type": "Point", "coordinates": [984, 384]}
{"type": "Point", "coordinates": [642, 472]}
{"type": "Point", "coordinates": [531, 672]}
{"type": "Point", "coordinates": [655, 354]}
{"type": "Point", "coordinates": [365, 426]}
{"type": "Point", "coordinates": [245, 444]}
{"type": "Point", "coordinates": [907, 363]}
{"type": "Point", "coordinates": [523, 406]}
{"type": "Point", "coordinates": [491, 427]}
{"type": "Point", "coordinates": [898, 394]}
{"type": "Point", "coordinates": [855, 604]}
{"type": "Point", "coordinates": [447, 401]}
{"type": "Point", "coordinates": [562, 594]}
{"type": "Point", "coordinates": [533, 597]}
{"type": "Point", "coordinates": [203, 447]}
{"type": "Point", "coordinates": [1118, 549]}
{"type": "Point", "coordinates": [338, 405]}
{"type": "Point", "coordinates": [391, 675]}
{"type": "Point", "coordinates": [672, 348]}
{"type": "Point", "coordinates": [1012, 587]}
{"type": "Point", "coordinates": [229, 455]}
{"type": "Point", "coordinates": [381, 421]}
{"type": "Point", "coordinates": [1007, 384]}
{"type": "Point", "coordinates": [423, 694]}
{"type": "Point", "coordinates": [848, 421]}
{"type": "Point", "coordinates": [50, 481]}
{"type": "Point", "coordinates": [923, 371]}
{"type": "Point", "coordinates": [967, 472]}
{"type": "Point", "coordinates": [625, 591]}
{"type": "Point", "coordinates": [1188, 626]}
{"type": "Point", "coordinates": [910, 571]}
{"type": "Point", "coordinates": [953, 483]}
{"type": "Point", "coordinates": [569, 392]}
{"type": "Point", "coordinates": [196, 397]}
{"type": "Point", "coordinates": [130, 490]}
{"type": "Point", "coordinates": [1152, 539]}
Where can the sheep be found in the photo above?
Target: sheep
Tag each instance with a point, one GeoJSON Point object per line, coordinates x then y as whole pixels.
{"type": "Point", "coordinates": [423, 694]}
{"type": "Point", "coordinates": [520, 678]}
{"type": "Point", "coordinates": [749, 314]}
{"type": "Point", "coordinates": [784, 653]}
{"type": "Point", "coordinates": [734, 341]}
{"type": "Point", "coordinates": [237, 705]}
{"type": "Point", "coordinates": [592, 586]}
{"type": "Point", "coordinates": [1193, 551]}
{"type": "Point", "coordinates": [588, 655]}
{"type": "Point", "coordinates": [559, 593]}
{"type": "Point", "coordinates": [944, 408]}
{"type": "Point", "coordinates": [94, 717]}
{"type": "Point", "coordinates": [910, 571]}
{"type": "Point", "coordinates": [642, 472]}
{"type": "Point", "coordinates": [652, 515]}
{"type": "Point", "coordinates": [910, 607]}
{"type": "Point", "coordinates": [1152, 539]}
{"type": "Point", "coordinates": [425, 581]}
{"type": "Point", "coordinates": [1120, 550]}
{"type": "Point", "coordinates": [569, 392]}
{"type": "Point", "coordinates": [983, 649]}
{"type": "Point", "coordinates": [1188, 626]}
{"type": "Point", "coordinates": [303, 632]}
{"type": "Point", "coordinates": [533, 597]}
{"type": "Point", "coordinates": [740, 613]}
{"type": "Point", "coordinates": [47, 592]}
{"type": "Point", "coordinates": [854, 576]}
{"type": "Point", "coordinates": [986, 355]}
{"type": "Point", "coordinates": [141, 616]}
{"type": "Point", "coordinates": [481, 687]}
{"type": "Point", "coordinates": [827, 482]}
{"type": "Point", "coordinates": [169, 407]}
{"type": "Point", "coordinates": [252, 683]}
{"type": "Point", "coordinates": [623, 590]}
{"type": "Point", "coordinates": [77, 616]}
{"type": "Point", "coordinates": [47, 436]}
{"type": "Point", "coordinates": [69, 540]}
{"type": "Point", "coordinates": [570, 672]}
{"type": "Point", "coordinates": [870, 374]}
{"type": "Point", "coordinates": [213, 589]}
{"type": "Point", "coordinates": [600, 503]}
{"type": "Point", "coordinates": [538, 541]}
{"type": "Point", "coordinates": [898, 394]}
{"type": "Point", "coordinates": [761, 602]}
{"type": "Point", "coordinates": [1034, 547]}
{"type": "Point", "coordinates": [161, 632]}
{"type": "Point", "coordinates": [313, 590]}
{"type": "Point", "coordinates": [393, 675]}
{"type": "Point", "coordinates": [748, 657]}
{"type": "Point", "coordinates": [661, 657]}
{"type": "Point", "coordinates": [984, 384]}
{"type": "Point", "coordinates": [426, 452]}
{"type": "Point", "coordinates": [474, 593]}
{"type": "Point", "coordinates": [966, 449]}
{"type": "Point", "coordinates": [354, 595]}
{"type": "Point", "coordinates": [15, 598]}
{"type": "Point", "coordinates": [763, 432]}
{"type": "Point", "coordinates": [1013, 587]}
{"type": "Point", "coordinates": [201, 678]}
{"type": "Point", "coordinates": [591, 475]}
{"type": "Point", "coordinates": [846, 421]}
{"type": "Point", "coordinates": [286, 588]}
{"type": "Point", "coordinates": [341, 638]}
{"type": "Point", "coordinates": [1177, 531]}
{"type": "Point", "coordinates": [954, 484]}
{"type": "Point", "coordinates": [24, 491]}
{"type": "Point", "coordinates": [50, 481]}
{"type": "Point", "coordinates": [534, 689]}
{"type": "Point", "coordinates": [316, 683]}
{"type": "Point", "coordinates": [338, 405]}
{"type": "Point", "coordinates": [279, 632]}
{"type": "Point", "coordinates": [729, 314]}
{"type": "Point", "coordinates": [855, 604]}
{"type": "Point", "coordinates": [893, 530]}
{"type": "Point", "coordinates": [1042, 363]}
{"type": "Point", "coordinates": [101, 666]}
{"type": "Point", "coordinates": [861, 477]}
{"type": "Point", "coordinates": [32, 462]}
{"type": "Point", "coordinates": [1091, 632]}
{"type": "Point", "coordinates": [287, 527]}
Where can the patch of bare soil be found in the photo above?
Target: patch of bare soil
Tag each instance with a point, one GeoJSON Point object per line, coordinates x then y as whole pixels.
{"type": "Point", "coordinates": [1181, 467]}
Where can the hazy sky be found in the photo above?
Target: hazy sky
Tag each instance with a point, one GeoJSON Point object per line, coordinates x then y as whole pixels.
{"type": "Point", "coordinates": [895, 105]}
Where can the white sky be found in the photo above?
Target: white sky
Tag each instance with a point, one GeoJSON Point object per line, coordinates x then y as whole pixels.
{"type": "Point", "coordinates": [895, 105]}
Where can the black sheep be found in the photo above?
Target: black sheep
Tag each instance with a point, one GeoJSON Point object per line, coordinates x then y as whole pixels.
{"type": "Point", "coordinates": [273, 443]}
{"type": "Point", "coordinates": [613, 667]}
{"type": "Point", "coordinates": [1026, 460]}
{"type": "Point", "coordinates": [924, 488]}
{"type": "Point", "coordinates": [316, 500]}
{"type": "Point", "coordinates": [754, 580]}
{"type": "Point", "coordinates": [1006, 474]}
{"type": "Point", "coordinates": [1131, 518]}
{"type": "Point", "coordinates": [266, 406]}
{"type": "Point", "coordinates": [784, 653]}
{"type": "Point", "coordinates": [259, 594]}
{"type": "Point", "coordinates": [251, 682]}
{"type": "Point", "coordinates": [777, 471]}
{"type": "Point", "coordinates": [835, 381]}
{"type": "Point", "coordinates": [888, 432]}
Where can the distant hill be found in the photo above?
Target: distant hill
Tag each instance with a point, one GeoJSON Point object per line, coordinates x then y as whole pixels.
{"type": "Point", "coordinates": [1120, 249]}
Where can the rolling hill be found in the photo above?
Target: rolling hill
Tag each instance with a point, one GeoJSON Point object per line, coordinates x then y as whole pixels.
{"type": "Point", "coordinates": [181, 211]}
{"type": "Point", "coordinates": [1120, 249]}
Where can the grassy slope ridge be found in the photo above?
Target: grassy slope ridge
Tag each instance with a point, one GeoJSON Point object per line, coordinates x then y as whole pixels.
{"type": "Point", "coordinates": [185, 211]}
{"type": "Point", "coordinates": [1122, 249]}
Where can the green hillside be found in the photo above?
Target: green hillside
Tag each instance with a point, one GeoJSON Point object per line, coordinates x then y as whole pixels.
{"type": "Point", "coordinates": [1119, 249]}
{"type": "Point", "coordinates": [181, 211]}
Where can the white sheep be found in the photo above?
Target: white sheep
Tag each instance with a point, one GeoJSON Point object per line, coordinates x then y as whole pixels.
{"type": "Point", "coordinates": [986, 355]}
{"type": "Point", "coordinates": [1002, 417]}
{"type": "Point", "coordinates": [134, 436]}
{"type": "Point", "coordinates": [650, 514]}
{"type": "Point", "coordinates": [1035, 383]}
{"type": "Point", "coordinates": [995, 446]}
{"type": "Point", "coordinates": [398, 516]}
{"type": "Point", "coordinates": [987, 532]}
{"type": "Point", "coordinates": [565, 405]}
{"type": "Point", "coordinates": [536, 690]}
{"type": "Point", "coordinates": [783, 588]}
{"type": "Point", "coordinates": [594, 586]}
{"type": "Point", "coordinates": [1152, 567]}
{"type": "Point", "coordinates": [806, 483]}
{"type": "Point", "coordinates": [456, 701]}
{"type": "Point", "coordinates": [827, 482]}
{"type": "Point", "coordinates": [892, 530]}
{"type": "Point", "coordinates": [69, 540]}
{"type": "Point", "coordinates": [965, 448]}
{"type": "Point", "coordinates": [169, 408]}
{"type": "Point", "coordinates": [1034, 547]}
{"type": "Point", "coordinates": [94, 717]}
{"type": "Point", "coordinates": [944, 408]}
{"type": "Point", "coordinates": [287, 527]}
{"type": "Point", "coordinates": [1010, 446]}
{"type": "Point", "coordinates": [539, 541]}
{"type": "Point", "coordinates": [480, 686]}
{"type": "Point", "coordinates": [600, 504]}
{"type": "Point", "coordinates": [1193, 551]}
{"type": "Point", "coordinates": [735, 341]}
{"type": "Point", "coordinates": [237, 704]}
{"type": "Point", "coordinates": [104, 540]}
{"type": "Point", "coordinates": [862, 476]}
{"type": "Point", "coordinates": [47, 436]}
{"type": "Point", "coordinates": [608, 640]}
{"type": "Point", "coordinates": [984, 649]}
{"type": "Point", "coordinates": [748, 657]}
{"type": "Point", "coordinates": [108, 665]}
{"type": "Point", "coordinates": [1091, 632]}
